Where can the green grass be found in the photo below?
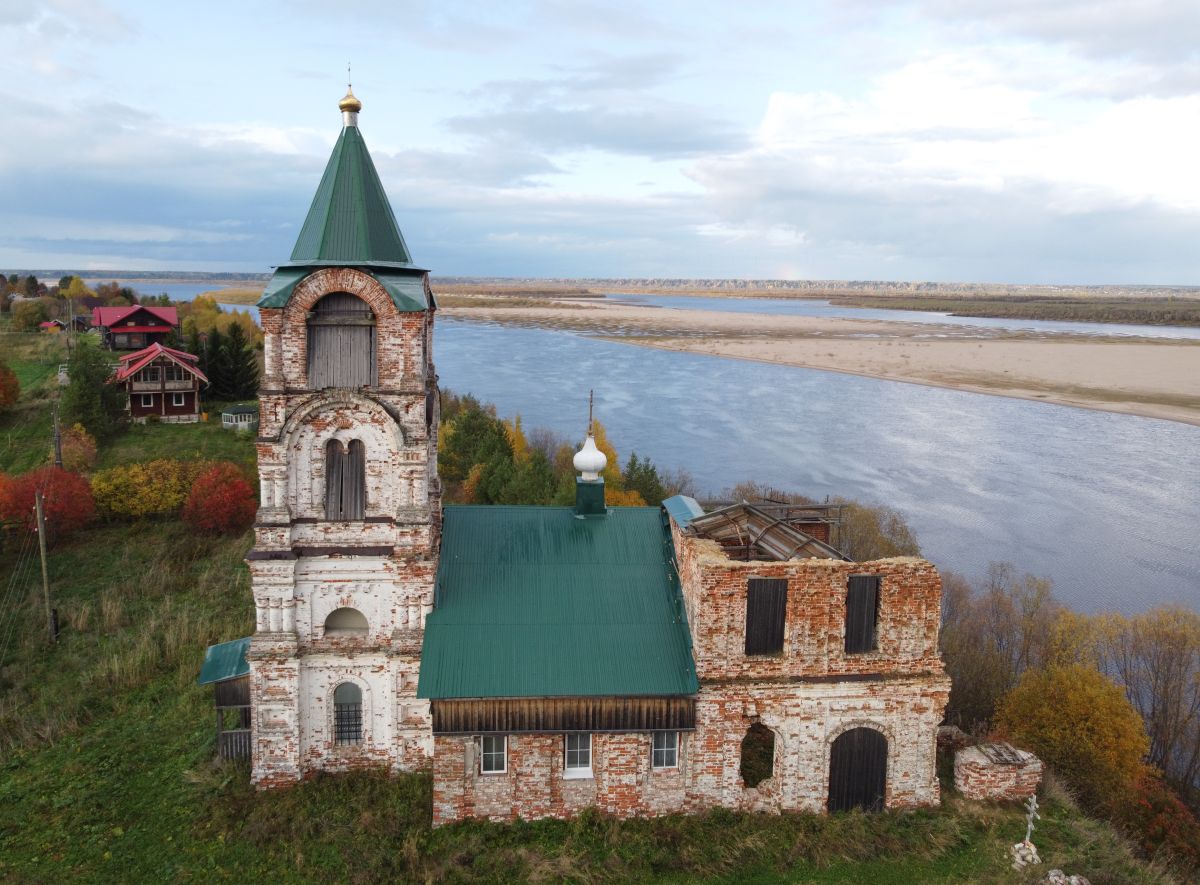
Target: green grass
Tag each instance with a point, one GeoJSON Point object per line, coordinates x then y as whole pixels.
{"type": "Point", "coordinates": [143, 442]}
{"type": "Point", "coordinates": [25, 429]}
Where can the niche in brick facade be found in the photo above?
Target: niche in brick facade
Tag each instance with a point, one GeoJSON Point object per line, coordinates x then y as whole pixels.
{"type": "Point", "coordinates": [758, 755]}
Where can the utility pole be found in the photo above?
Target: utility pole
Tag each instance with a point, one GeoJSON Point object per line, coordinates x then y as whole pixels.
{"type": "Point", "coordinates": [51, 626]}
{"type": "Point", "coordinates": [58, 462]}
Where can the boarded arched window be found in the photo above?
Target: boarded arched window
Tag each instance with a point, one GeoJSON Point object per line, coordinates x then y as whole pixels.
{"type": "Point", "coordinates": [347, 714]}
{"type": "Point", "coordinates": [345, 622]}
{"type": "Point", "coordinates": [341, 342]}
{"type": "Point", "coordinates": [345, 480]}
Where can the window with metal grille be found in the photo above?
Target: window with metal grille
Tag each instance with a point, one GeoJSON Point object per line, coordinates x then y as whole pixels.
{"type": "Point", "coordinates": [664, 749]}
{"type": "Point", "coordinates": [341, 342]}
{"type": "Point", "coordinates": [862, 611]}
{"type": "Point", "coordinates": [493, 757]}
{"type": "Point", "coordinates": [766, 613]}
{"type": "Point", "coordinates": [347, 714]}
{"type": "Point", "coordinates": [345, 480]}
{"type": "Point", "coordinates": [578, 756]}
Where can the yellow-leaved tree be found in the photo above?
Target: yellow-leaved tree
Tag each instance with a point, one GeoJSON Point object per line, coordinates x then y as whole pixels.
{"type": "Point", "coordinates": [1079, 723]}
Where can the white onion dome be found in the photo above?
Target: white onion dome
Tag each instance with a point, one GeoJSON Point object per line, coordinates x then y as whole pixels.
{"type": "Point", "coordinates": [590, 460]}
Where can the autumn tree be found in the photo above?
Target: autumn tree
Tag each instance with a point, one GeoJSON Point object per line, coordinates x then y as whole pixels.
{"type": "Point", "coordinates": [1080, 723]}
{"type": "Point", "coordinates": [221, 501]}
{"type": "Point", "coordinates": [27, 314]}
{"type": "Point", "coordinates": [10, 387]}
{"type": "Point", "coordinates": [78, 449]}
{"type": "Point", "coordinates": [89, 399]}
{"type": "Point", "coordinates": [66, 499]}
{"type": "Point", "coordinates": [146, 488]}
{"type": "Point", "coordinates": [1155, 655]}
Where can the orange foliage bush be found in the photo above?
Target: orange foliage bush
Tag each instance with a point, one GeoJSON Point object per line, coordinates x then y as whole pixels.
{"type": "Point", "coordinates": [1156, 818]}
{"type": "Point", "coordinates": [67, 500]}
{"type": "Point", "coordinates": [78, 449]}
{"type": "Point", "coordinates": [222, 501]}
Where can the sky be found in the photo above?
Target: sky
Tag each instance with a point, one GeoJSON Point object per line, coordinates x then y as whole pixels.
{"type": "Point", "coordinates": [1019, 141]}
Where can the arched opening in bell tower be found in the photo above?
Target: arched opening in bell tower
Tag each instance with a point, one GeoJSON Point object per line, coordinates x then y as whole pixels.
{"type": "Point", "coordinates": [341, 343]}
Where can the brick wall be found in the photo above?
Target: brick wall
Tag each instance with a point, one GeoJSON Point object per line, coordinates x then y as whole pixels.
{"type": "Point", "coordinates": [715, 588]}
{"type": "Point", "coordinates": [978, 777]}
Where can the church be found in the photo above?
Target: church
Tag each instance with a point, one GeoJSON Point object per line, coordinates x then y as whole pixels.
{"type": "Point", "coordinates": [542, 660]}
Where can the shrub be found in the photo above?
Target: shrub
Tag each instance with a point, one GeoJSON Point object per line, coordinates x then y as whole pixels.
{"type": "Point", "coordinates": [10, 387]}
{"type": "Point", "coordinates": [27, 314]}
{"type": "Point", "coordinates": [146, 488]}
{"type": "Point", "coordinates": [1080, 723]}
{"type": "Point", "coordinates": [78, 449]}
{"type": "Point", "coordinates": [89, 399]}
{"type": "Point", "coordinates": [1156, 818]}
{"type": "Point", "coordinates": [67, 500]}
{"type": "Point", "coordinates": [222, 501]}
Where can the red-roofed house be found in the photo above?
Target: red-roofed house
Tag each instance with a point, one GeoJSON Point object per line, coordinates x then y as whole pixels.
{"type": "Point", "coordinates": [134, 327]}
{"type": "Point", "coordinates": [161, 381]}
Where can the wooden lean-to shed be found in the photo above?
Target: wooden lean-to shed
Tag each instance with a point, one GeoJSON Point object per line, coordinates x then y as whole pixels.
{"type": "Point", "coordinates": [227, 670]}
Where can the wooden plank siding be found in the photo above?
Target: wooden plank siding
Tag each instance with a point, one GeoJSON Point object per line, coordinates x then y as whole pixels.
{"type": "Point", "coordinates": [766, 614]}
{"type": "Point", "coordinates": [517, 715]}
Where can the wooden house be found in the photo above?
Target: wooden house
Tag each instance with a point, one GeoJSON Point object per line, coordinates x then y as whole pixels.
{"type": "Point", "coordinates": [135, 326]}
{"type": "Point", "coordinates": [163, 382]}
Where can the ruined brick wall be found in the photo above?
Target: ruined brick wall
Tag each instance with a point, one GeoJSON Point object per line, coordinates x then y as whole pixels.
{"type": "Point", "coordinates": [978, 777]}
{"type": "Point", "coordinates": [805, 719]}
{"type": "Point", "coordinates": [303, 566]}
{"type": "Point", "coordinates": [715, 589]}
{"type": "Point", "coordinates": [623, 784]}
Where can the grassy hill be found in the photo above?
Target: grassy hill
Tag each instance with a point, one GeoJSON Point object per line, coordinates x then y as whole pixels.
{"type": "Point", "coordinates": [107, 768]}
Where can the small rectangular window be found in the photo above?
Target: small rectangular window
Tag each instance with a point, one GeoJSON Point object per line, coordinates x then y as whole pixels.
{"type": "Point", "coordinates": [177, 399]}
{"type": "Point", "coordinates": [578, 756]}
{"type": "Point", "coordinates": [766, 613]}
{"type": "Point", "coordinates": [147, 400]}
{"type": "Point", "coordinates": [862, 612]}
{"type": "Point", "coordinates": [493, 758]}
{"type": "Point", "coordinates": [664, 749]}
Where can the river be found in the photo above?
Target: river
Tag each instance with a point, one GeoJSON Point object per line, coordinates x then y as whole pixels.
{"type": "Point", "coordinates": [1106, 505]}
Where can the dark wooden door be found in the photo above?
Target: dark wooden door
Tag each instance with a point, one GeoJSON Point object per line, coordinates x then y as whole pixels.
{"type": "Point", "coordinates": [858, 770]}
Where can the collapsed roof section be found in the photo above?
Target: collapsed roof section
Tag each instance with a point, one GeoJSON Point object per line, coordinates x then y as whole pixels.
{"type": "Point", "coordinates": [750, 532]}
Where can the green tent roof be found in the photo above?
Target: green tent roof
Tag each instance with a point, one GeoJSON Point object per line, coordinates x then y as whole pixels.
{"type": "Point", "coordinates": [536, 602]}
{"type": "Point", "coordinates": [350, 220]}
{"type": "Point", "coordinates": [407, 289]}
{"type": "Point", "coordinates": [225, 660]}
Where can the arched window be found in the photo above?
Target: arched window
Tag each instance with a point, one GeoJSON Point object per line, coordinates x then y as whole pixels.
{"type": "Point", "coordinates": [347, 714]}
{"type": "Point", "coordinates": [345, 622]}
{"type": "Point", "coordinates": [345, 480]}
{"type": "Point", "coordinates": [341, 343]}
{"type": "Point", "coordinates": [758, 755]}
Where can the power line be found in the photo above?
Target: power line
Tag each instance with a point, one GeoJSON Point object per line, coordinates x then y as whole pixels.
{"type": "Point", "coordinates": [22, 572]}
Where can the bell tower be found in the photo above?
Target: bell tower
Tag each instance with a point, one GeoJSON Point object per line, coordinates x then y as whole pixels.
{"type": "Point", "coordinates": [346, 536]}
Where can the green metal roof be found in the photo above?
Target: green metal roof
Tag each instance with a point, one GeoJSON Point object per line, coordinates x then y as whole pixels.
{"type": "Point", "coordinates": [536, 602]}
{"type": "Point", "coordinates": [350, 220]}
{"type": "Point", "coordinates": [407, 289]}
{"type": "Point", "coordinates": [225, 660]}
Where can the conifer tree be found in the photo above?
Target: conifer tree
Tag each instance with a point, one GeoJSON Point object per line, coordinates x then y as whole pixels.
{"type": "Point", "coordinates": [242, 365]}
{"type": "Point", "coordinates": [217, 366]}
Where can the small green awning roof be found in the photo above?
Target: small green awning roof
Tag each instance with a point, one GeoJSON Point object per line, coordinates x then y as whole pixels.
{"type": "Point", "coordinates": [407, 289]}
{"type": "Point", "coordinates": [683, 509]}
{"type": "Point", "coordinates": [225, 660]}
{"type": "Point", "coordinates": [536, 602]}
